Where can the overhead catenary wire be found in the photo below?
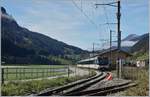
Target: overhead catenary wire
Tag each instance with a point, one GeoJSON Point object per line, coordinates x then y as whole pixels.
{"type": "Point", "coordinates": [107, 21]}
{"type": "Point", "coordinates": [106, 15]}
{"type": "Point", "coordinates": [81, 10]}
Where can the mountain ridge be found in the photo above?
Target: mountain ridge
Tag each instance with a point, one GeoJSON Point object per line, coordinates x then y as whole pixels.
{"type": "Point", "coordinates": [17, 40]}
{"type": "Point", "coordinates": [131, 37]}
{"type": "Point", "coordinates": [142, 45]}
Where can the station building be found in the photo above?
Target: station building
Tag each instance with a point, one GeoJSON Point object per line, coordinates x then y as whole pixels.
{"type": "Point", "coordinates": [112, 55]}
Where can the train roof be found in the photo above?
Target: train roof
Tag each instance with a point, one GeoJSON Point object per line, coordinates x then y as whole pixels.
{"type": "Point", "coordinates": [88, 59]}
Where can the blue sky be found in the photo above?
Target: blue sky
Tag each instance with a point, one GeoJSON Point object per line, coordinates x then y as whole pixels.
{"type": "Point", "coordinates": [64, 21]}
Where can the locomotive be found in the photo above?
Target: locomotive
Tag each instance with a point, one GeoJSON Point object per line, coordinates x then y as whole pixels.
{"type": "Point", "coordinates": [95, 63]}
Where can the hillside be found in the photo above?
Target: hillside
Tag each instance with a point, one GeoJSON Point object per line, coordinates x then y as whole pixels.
{"type": "Point", "coordinates": [142, 45]}
{"type": "Point", "coordinates": [20, 45]}
{"type": "Point", "coordinates": [141, 49]}
{"type": "Point", "coordinates": [134, 44]}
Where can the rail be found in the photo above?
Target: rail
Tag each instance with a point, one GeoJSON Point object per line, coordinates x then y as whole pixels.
{"type": "Point", "coordinates": [66, 87]}
{"type": "Point", "coordinates": [103, 91]}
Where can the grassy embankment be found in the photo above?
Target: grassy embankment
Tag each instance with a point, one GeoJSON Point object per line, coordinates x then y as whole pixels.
{"type": "Point", "coordinates": [35, 86]}
{"type": "Point", "coordinates": [139, 76]}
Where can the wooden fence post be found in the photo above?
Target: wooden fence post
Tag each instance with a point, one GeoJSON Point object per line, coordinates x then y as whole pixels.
{"type": "Point", "coordinates": [36, 72]}
{"type": "Point", "coordinates": [53, 70]}
{"type": "Point", "coordinates": [20, 74]}
{"type": "Point", "coordinates": [47, 71]}
{"type": "Point", "coordinates": [32, 71]}
{"type": "Point", "coordinates": [7, 73]}
{"type": "Point", "coordinates": [16, 73]}
{"type": "Point", "coordinates": [43, 72]}
{"type": "Point", "coordinates": [24, 73]}
{"type": "Point", "coordinates": [2, 75]}
{"type": "Point", "coordinates": [68, 70]}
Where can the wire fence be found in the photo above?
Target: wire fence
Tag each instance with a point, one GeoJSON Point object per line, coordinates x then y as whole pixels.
{"type": "Point", "coordinates": [133, 73]}
{"type": "Point", "coordinates": [25, 73]}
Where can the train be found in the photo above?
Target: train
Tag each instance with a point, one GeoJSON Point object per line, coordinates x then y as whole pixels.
{"type": "Point", "coordinates": [95, 63]}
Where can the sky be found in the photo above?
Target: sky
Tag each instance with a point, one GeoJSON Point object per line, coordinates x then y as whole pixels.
{"type": "Point", "coordinates": [79, 22]}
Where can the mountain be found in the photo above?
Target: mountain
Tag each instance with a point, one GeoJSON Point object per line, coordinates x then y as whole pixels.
{"type": "Point", "coordinates": [127, 42]}
{"type": "Point", "coordinates": [131, 37]}
{"type": "Point", "coordinates": [142, 45]}
{"type": "Point", "coordinates": [130, 40]}
{"type": "Point", "coordinates": [20, 45]}
{"type": "Point", "coordinates": [132, 43]}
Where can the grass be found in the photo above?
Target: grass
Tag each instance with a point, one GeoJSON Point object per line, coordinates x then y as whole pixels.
{"type": "Point", "coordinates": [27, 88]}
{"type": "Point", "coordinates": [139, 76]}
{"type": "Point", "coordinates": [33, 71]}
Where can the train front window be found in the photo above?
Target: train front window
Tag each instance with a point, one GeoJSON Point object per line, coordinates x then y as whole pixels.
{"type": "Point", "coordinates": [103, 61]}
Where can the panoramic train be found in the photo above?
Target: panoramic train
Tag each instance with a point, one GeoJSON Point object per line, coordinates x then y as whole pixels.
{"type": "Point", "coordinates": [95, 63]}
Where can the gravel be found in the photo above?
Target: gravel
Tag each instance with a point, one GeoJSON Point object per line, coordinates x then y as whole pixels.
{"type": "Point", "coordinates": [106, 83]}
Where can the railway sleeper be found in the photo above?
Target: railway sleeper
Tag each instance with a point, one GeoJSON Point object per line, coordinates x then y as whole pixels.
{"type": "Point", "coordinates": [84, 86]}
{"type": "Point", "coordinates": [113, 90]}
{"type": "Point", "coordinates": [70, 85]}
{"type": "Point", "coordinates": [97, 90]}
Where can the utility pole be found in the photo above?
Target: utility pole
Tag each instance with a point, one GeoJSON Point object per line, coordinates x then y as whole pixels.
{"type": "Point", "coordinates": [93, 49]}
{"type": "Point", "coordinates": [118, 26]}
{"type": "Point", "coordinates": [119, 40]}
{"type": "Point", "coordinates": [110, 46]}
{"type": "Point", "coordinates": [119, 33]}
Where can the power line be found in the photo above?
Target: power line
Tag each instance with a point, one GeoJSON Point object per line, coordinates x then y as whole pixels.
{"type": "Point", "coordinates": [106, 15]}
{"type": "Point", "coordinates": [90, 20]}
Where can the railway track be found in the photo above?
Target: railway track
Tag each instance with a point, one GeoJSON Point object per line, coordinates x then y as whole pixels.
{"type": "Point", "coordinates": [75, 86]}
{"type": "Point", "coordinates": [83, 87]}
{"type": "Point", "coordinates": [113, 90]}
{"type": "Point", "coordinates": [102, 91]}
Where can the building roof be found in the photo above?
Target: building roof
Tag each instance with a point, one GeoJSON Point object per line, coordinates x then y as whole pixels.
{"type": "Point", "coordinates": [113, 49]}
{"type": "Point", "coordinates": [103, 52]}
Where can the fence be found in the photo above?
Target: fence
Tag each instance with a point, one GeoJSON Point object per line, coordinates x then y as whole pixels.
{"type": "Point", "coordinates": [23, 73]}
{"type": "Point", "coordinates": [133, 73]}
